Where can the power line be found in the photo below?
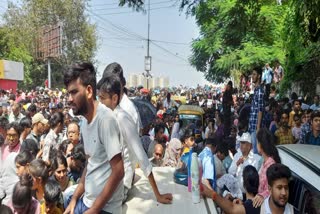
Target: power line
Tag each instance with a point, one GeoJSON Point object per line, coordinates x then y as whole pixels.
{"type": "Point", "coordinates": [106, 4]}
{"type": "Point", "coordinates": [117, 13]}
{"type": "Point", "coordinates": [123, 42]}
{"type": "Point", "coordinates": [129, 33]}
{"type": "Point", "coordinates": [112, 4]}
{"type": "Point", "coordinates": [169, 42]}
{"type": "Point", "coordinates": [111, 8]}
{"type": "Point", "coordinates": [123, 47]}
{"type": "Point", "coordinates": [169, 52]}
{"type": "Point", "coordinates": [122, 38]}
{"type": "Point", "coordinates": [128, 12]}
{"type": "Point", "coordinates": [122, 8]}
{"type": "Point", "coordinates": [169, 63]}
{"type": "Point", "coordinates": [134, 39]}
{"type": "Point", "coordinates": [119, 28]}
{"type": "Point", "coordinates": [152, 41]}
{"type": "Point", "coordinates": [112, 31]}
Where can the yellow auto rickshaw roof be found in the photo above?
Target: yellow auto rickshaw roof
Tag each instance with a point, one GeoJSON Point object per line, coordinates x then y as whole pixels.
{"type": "Point", "coordinates": [190, 109]}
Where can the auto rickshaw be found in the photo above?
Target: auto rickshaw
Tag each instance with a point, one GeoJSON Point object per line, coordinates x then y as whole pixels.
{"type": "Point", "coordinates": [191, 114]}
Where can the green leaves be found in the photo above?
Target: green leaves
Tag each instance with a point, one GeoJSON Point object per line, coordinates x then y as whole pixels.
{"type": "Point", "coordinates": [302, 43]}
{"type": "Point", "coordinates": [22, 27]}
{"type": "Point", "coordinates": [236, 36]}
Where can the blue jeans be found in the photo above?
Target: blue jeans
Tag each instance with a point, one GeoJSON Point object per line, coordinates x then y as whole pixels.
{"type": "Point", "coordinates": [81, 207]}
{"type": "Point", "coordinates": [254, 142]}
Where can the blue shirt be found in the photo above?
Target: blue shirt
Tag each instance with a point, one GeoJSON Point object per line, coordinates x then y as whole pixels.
{"type": "Point", "coordinates": [257, 105]}
{"type": "Point", "coordinates": [315, 107]}
{"type": "Point", "coordinates": [311, 139]}
{"type": "Point", "coordinates": [227, 162]}
{"type": "Point", "coordinates": [208, 167]}
{"type": "Point", "coordinates": [267, 75]}
{"type": "Point", "coordinates": [305, 128]}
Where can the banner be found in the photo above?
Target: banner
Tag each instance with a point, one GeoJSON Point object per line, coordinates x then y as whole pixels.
{"type": "Point", "coordinates": [11, 70]}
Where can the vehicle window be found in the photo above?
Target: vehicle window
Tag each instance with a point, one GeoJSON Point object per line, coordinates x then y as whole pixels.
{"type": "Point", "coordinates": [312, 202]}
{"type": "Point", "coordinates": [295, 192]}
{"type": "Point", "coordinates": [190, 117]}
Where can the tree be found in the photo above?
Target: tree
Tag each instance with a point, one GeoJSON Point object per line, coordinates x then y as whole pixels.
{"type": "Point", "coordinates": [302, 38]}
{"type": "Point", "coordinates": [23, 25]}
{"type": "Point", "coordinates": [235, 35]}
{"type": "Point", "coordinates": [136, 4]}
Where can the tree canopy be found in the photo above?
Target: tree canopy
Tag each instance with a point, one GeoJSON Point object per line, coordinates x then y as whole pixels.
{"type": "Point", "coordinates": [22, 28]}
{"type": "Point", "coordinates": [237, 35]}
{"type": "Point", "coordinates": [302, 44]}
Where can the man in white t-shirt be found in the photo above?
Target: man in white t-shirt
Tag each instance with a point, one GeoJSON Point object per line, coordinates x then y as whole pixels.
{"type": "Point", "coordinates": [125, 103]}
{"type": "Point", "coordinates": [109, 93]}
{"type": "Point", "coordinates": [278, 176]}
{"type": "Point", "coordinates": [100, 189]}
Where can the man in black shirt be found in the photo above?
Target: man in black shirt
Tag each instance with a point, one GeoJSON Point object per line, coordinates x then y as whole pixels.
{"type": "Point", "coordinates": [227, 102]}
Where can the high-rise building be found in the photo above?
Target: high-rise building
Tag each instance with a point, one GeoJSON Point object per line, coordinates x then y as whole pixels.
{"type": "Point", "coordinates": [135, 80]}
{"type": "Point", "coordinates": [155, 82]}
{"type": "Point", "coordinates": [141, 81]}
{"type": "Point", "coordinates": [132, 80]}
{"type": "Point", "coordinates": [163, 82]}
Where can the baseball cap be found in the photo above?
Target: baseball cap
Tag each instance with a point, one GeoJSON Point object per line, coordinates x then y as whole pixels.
{"type": "Point", "coordinates": [39, 118]}
{"type": "Point", "coordinates": [245, 137]}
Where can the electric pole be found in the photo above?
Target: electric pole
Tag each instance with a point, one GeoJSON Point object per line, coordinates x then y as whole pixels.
{"type": "Point", "coordinates": [147, 60]}
{"type": "Point", "coordinates": [49, 73]}
{"type": "Point", "coordinates": [148, 51]}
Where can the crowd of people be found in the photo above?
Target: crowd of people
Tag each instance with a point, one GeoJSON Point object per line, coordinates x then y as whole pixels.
{"type": "Point", "coordinates": [75, 150]}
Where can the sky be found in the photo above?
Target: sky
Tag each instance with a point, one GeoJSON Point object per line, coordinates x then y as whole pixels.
{"type": "Point", "coordinates": [122, 38]}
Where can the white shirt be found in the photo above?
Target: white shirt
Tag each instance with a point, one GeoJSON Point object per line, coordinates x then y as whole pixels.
{"type": "Point", "coordinates": [101, 140]}
{"type": "Point", "coordinates": [127, 105]}
{"type": "Point", "coordinates": [253, 160]}
{"type": "Point", "coordinates": [13, 118]}
{"type": "Point", "coordinates": [170, 104]}
{"type": "Point", "coordinates": [267, 76]}
{"type": "Point", "coordinates": [50, 141]}
{"type": "Point", "coordinates": [132, 143]}
{"type": "Point", "coordinates": [265, 208]}
{"type": "Point", "coordinates": [8, 177]}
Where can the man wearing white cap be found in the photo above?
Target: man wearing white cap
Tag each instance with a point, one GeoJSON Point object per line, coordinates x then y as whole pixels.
{"type": "Point", "coordinates": [38, 122]}
{"type": "Point", "coordinates": [243, 158]}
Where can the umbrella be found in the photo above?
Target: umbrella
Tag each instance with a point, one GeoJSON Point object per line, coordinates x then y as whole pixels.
{"type": "Point", "coordinates": [146, 110]}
